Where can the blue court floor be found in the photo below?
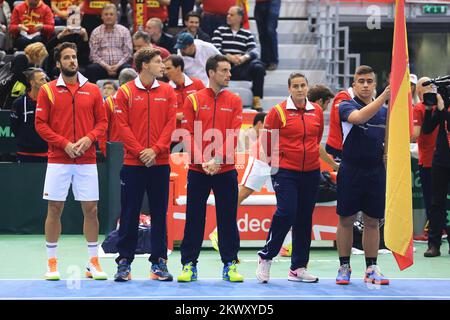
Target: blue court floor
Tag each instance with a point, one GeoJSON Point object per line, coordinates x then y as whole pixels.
{"type": "Point", "coordinates": [210, 289]}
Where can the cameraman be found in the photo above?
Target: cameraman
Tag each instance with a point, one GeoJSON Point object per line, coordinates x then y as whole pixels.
{"type": "Point", "coordinates": [440, 172]}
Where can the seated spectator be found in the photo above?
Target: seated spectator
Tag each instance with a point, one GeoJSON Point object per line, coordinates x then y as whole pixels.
{"type": "Point", "coordinates": [60, 10]}
{"type": "Point", "coordinates": [111, 47]}
{"type": "Point", "coordinates": [80, 38]}
{"type": "Point", "coordinates": [215, 14]}
{"type": "Point", "coordinates": [195, 53]}
{"type": "Point", "coordinates": [109, 89]}
{"type": "Point", "coordinates": [239, 46]}
{"type": "Point", "coordinates": [30, 146]}
{"type": "Point", "coordinates": [5, 17]}
{"type": "Point", "coordinates": [31, 21]}
{"type": "Point", "coordinates": [157, 9]}
{"type": "Point", "coordinates": [34, 56]}
{"type": "Point", "coordinates": [142, 39]}
{"type": "Point", "coordinates": [154, 27]}
{"type": "Point", "coordinates": [192, 21]}
{"type": "Point", "coordinates": [183, 85]}
{"type": "Point", "coordinates": [91, 11]}
{"type": "Point", "coordinates": [174, 10]}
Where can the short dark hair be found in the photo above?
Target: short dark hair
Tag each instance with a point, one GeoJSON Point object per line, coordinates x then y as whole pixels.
{"type": "Point", "coordinates": [260, 116]}
{"type": "Point", "coordinates": [193, 14]}
{"type": "Point", "coordinates": [145, 55]}
{"type": "Point", "coordinates": [142, 35]}
{"type": "Point", "coordinates": [213, 62]}
{"type": "Point", "coordinates": [319, 91]}
{"type": "Point", "coordinates": [111, 83]}
{"type": "Point", "coordinates": [177, 61]}
{"type": "Point", "coordinates": [363, 69]}
{"type": "Point", "coordinates": [31, 72]}
{"type": "Point", "coordinates": [296, 75]}
{"type": "Point", "coordinates": [61, 48]}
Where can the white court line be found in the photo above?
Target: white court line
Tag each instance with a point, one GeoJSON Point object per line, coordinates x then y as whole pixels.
{"type": "Point", "coordinates": [246, 297]}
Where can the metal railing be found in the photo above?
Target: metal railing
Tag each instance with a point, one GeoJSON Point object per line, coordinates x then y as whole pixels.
{"type": "Point", "coordinates": [333, 43]}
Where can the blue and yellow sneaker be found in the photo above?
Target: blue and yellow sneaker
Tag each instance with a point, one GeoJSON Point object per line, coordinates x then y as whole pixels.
{"type": "Point", "coordinates": [160, 272]}
{"type": "Point", "coordinates": [343, 276]}
{"type": "Point", "coordinates": [188, 274]}
{"type": "Point", "coordinates": [123, 271]}
{"type": "Point", "coordinates": [230, 273]}
{"type": "Point", "coordinates": [373, 275]}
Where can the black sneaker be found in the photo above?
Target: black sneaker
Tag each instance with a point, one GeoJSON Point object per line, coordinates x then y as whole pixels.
{"type": "Point", "coordinates": [123, 271]}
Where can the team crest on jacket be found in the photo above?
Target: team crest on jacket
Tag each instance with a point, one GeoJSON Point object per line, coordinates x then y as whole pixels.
{"type": "Point", "coordinates": [138, 98]}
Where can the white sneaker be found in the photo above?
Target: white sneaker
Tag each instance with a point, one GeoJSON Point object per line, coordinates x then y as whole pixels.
{"type": "Point", "coordinates": [52, 273]}
{"type": "Point", "coordinates": [301, 275]}
{"type": "Point", "coordinates": [263, 270]}
{"type": "Point", "coordinates": [94, 270]}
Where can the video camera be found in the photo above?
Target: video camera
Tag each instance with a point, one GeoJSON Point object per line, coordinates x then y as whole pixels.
{"type": "Point", "coordinates": [443, 88]}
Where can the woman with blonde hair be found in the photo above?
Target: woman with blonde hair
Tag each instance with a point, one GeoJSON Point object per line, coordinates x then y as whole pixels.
{"type": "Point", "coordinates": [33, 57]}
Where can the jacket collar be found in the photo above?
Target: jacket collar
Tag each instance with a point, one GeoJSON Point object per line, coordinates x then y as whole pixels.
{"type": "Point", "coordinates": [139, 84]}
{"type": "Point", "coordinates": [81, 80]}
{"type": "Point", "coordinates": [187, 81]}
{"type": "Point", "coordinates": [290, 105]}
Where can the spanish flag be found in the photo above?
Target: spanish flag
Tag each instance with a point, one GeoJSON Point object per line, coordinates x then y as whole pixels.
{"type": "Point", "coordinates": [398, 229]}
{"type": "Point", "coordinates": [246, 7]}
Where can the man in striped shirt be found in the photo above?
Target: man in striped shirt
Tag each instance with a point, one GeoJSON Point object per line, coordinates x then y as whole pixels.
{"type": "Point", "coordinates": [238, 44]}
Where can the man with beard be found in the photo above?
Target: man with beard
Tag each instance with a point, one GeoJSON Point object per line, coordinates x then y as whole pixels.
{"type": "Point", "coordinates": [70, 116]}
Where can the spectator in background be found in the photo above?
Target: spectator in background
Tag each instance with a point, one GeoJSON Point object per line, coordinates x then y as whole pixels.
{"type": "Point", "coordinates": [154, 27]}
{"type": "Point", "coordinates": [5, 17]}
{"type": "Point", "coordinates": [91, 12]}
{"type": "Point", "coordinates": [142, 39]}
{"type": "Point", "coordinates": [266, 16]}
{"type": "Point", "coordinates": [60, 10]}
{"type": "Point", "coordinates": [31, 21]}
{"type": "Point", "coordinates": [183, 85]}
{"type": "Point", "coordinates": [238, 44]}
{"type": "Point", "coordinates": [321, 95]}
{"type": "Point", "coordinates": [111, 47]}
{"type": "Point", "coordinates": [174, 10]}
{"type": "Point", "coordinates": [192, 21]}
{"type": "Point", "coordinates": [414, 95]}
{"type": "Point", "coordinates": [195, 53]}
{"type": "Point", "coordinates": [30, 146]}
{"type": "Point", "coordinates": [34, 56]}
{"type": "Point", "coordinates": [109, 89]}
{"type": "Point", "coordinates": [112, 134]}
{"type": "Point", "coordinates": [80, 38]}
{"type": "Point", "coordinates": [215, 14]}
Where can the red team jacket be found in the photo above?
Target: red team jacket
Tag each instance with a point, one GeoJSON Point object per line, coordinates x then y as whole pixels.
{"type": "Point", "coordinates": [426, 142]}
{"type": "Point", "coordinates": [220, 112]}
{"type": "Point", "coordinates": [62, 118]}
{"type": "Point", "coordinates": [335, 134]}
{"type": "Point", "coordinates": [300, 132]}
{"type": "Point", "coordinates": [145, 119]}
{"type": "Point", "coordinates": [22, 14]}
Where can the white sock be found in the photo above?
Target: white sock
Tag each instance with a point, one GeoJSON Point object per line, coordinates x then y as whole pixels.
{"type": "Point", "coordinates": [288, 238]}
{"type": "Point", "coordinates": [92, 249]}
{"type": "Point", "coordinates": [51, 249]}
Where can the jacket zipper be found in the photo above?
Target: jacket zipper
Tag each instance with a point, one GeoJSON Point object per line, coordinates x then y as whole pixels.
{"type": "Point", "coordinates": [304, 137]}
{"type": "Point", "coordinates": [148, 122]}
{"type": "Point", "coordinates": [214, 121]}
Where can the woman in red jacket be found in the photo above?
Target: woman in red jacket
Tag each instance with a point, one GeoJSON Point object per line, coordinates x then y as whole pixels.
{"type": "Point", "coordinates": [295, 177]}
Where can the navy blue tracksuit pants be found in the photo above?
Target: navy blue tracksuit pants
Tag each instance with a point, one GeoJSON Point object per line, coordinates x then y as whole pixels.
{"type": "Point", "coordinates": [225, 188]}
{"type": "Point", "coordinates": [135, 180]}
{"type": "Point", "coordinates": [296, 194]}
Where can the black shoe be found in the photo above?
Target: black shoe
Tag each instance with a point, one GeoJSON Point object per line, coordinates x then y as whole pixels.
{"type": "Point", "coordinates": [272, 66]}
{"type": "Point", "coordinates": [432, 252]}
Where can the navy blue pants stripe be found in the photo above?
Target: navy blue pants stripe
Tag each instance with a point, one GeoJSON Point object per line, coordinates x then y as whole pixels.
{"type": "Point", "coordinates": [135, 181]}
{"type": "Point", "coordinates": [296, 194]}
{"type": "Point", "coordinates": [225, 189]}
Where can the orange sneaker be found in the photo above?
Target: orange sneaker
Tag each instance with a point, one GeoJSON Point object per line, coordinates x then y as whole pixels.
{"type": "Point", "coordinates": [94, 270]}
{"type": "Point", "coordinates": [52, 273]}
